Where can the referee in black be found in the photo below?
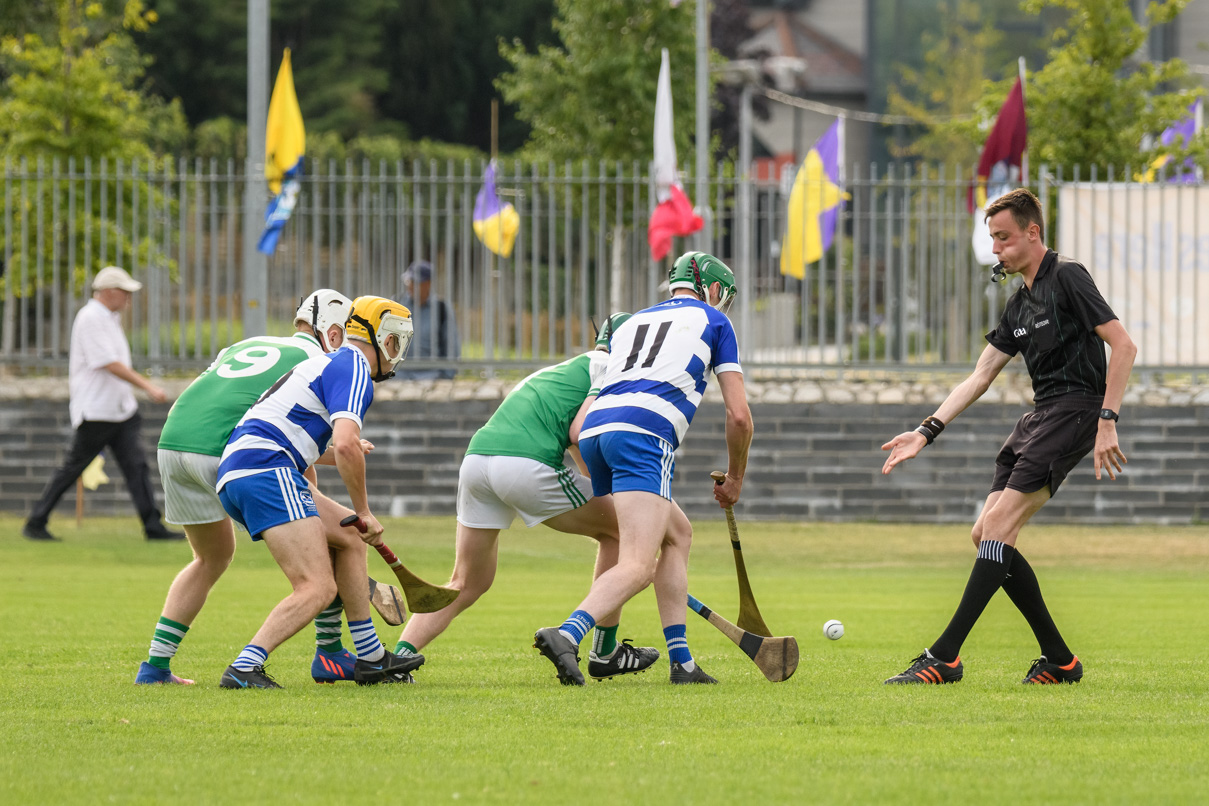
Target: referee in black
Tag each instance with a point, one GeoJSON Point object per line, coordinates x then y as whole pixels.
{"type": "Point", "coordinates": [1059, 321]}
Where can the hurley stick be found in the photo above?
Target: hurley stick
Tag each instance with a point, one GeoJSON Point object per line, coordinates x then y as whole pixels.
{"type": "Point", "coordinates": [777, 657]}
{"type": "Point", "coordinates": [749, 614]}
{"type": "Point", "coordinates": [422, 597]}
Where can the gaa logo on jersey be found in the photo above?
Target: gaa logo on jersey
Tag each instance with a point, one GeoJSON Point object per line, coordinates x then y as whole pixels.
{"type": "Point", "coordinates": [1020, 331]}
{"type": "Point", "coordinates": [306, 498]}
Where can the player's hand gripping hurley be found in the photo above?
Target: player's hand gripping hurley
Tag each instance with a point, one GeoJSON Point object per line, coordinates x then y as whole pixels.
{"type": "Point", "coordinates": [422, 597]}
{"type": "Point", "coordinates": [749, 614]}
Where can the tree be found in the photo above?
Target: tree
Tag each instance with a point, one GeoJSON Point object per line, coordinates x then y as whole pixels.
{"type": "Point", "coordinates": [74, 97]}
{"type": "Point", "coordinates": [1092, 103]}
{"type": "Point", "coordinates": [593, 96]}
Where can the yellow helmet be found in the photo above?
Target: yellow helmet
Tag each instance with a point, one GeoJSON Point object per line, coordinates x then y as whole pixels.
{"type": "Point", "coordinates": [375, 320]}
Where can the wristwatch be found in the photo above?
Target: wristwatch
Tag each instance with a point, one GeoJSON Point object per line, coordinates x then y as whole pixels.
{"type": "Point", "coordinates": [1109, 414]}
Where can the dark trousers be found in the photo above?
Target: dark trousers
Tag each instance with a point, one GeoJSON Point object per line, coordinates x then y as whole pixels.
{"type": "Point", "coordinates": [90, 439]}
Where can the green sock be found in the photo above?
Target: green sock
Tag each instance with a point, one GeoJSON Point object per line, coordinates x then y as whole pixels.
{"type": "Point", "coordinates": [404, 648]}
{"type": "Point", "coordinates": [327, 627]}
{"type": "Point", "coordinates": [606, 640]}
{"type": "Point", "coordinates": [164, 643]}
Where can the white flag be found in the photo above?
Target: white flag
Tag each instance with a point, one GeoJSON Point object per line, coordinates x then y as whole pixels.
{"type": "Point", "coordinates": [665, 138]}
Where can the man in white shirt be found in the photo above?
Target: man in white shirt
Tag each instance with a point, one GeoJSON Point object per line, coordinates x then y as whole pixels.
{"type": "Point", "coordinates": [104, 412]}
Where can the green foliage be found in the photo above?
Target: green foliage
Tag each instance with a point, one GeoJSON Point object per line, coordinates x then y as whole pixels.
{"type": "Point", "coordinates": [1092, 103]}
{"type": "Point", "coordinates": [481, 716]}
{"type": "Point", "coordinates": [70, 98]}
{"type": "Point", "coordinates": [593, 95]}
{"type": "Point", "coordinates": [947, 87]}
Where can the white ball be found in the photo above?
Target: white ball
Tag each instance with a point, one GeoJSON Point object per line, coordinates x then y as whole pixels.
{"type": "Point", "coordinates": [834, 629]}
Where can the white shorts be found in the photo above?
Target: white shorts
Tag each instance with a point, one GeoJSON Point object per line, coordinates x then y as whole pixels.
{"type": "Point", "coordinates": [493, 490]}
{"type": "Point", "coordinates": [189, 480]}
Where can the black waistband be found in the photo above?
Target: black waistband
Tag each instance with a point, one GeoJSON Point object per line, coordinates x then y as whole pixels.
{"type": "Point", "coordinates": [1095, 402]}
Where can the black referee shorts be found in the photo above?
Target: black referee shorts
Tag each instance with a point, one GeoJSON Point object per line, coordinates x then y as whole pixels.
{"type": "Point", "coordinates": [1047, 443]}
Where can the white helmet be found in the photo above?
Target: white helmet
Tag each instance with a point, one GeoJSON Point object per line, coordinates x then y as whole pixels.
{"type": "Point", "coordinates": [321, 309]}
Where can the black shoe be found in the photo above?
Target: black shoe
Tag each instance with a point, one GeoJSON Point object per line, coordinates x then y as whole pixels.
{"type": "Point", "coordinates": [682, 677]}
{"type": "Point", "coordinates": [559, 650]}
{"type": "Point", "coordinates": [372, 672]}
{"type": "Point", "coordinates": [257, 678]}
{"type": "Point", "coordinates": [1045, 672]}
{"type": "Point", "coordinates": [162, 532]}
{"type": "Point", "coordinates": [38, 533]}
{"type": "Point", "coordinates": [928, 670]}
{"type": "Point", "coordinates": [625, 659]}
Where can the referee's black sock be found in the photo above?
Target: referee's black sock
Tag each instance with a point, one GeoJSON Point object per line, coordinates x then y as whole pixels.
{"type": "Point", "coordinates": [989, 570]}
{"type": "Point", "coordinates": [1022, 588]}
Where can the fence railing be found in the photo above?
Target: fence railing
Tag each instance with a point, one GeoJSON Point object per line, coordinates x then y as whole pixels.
{"type": "Point", "coordinates": [899, 287]}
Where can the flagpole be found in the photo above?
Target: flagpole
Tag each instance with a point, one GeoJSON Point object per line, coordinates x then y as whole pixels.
{"type": "Point", "coordinates": [255, 279]}
{"type": "Point", "coordinates": [702, 138]}
{"type": "Point", "coordinates": [1024, 156]}
{"type": "Point", "coordinates": [495, 128]}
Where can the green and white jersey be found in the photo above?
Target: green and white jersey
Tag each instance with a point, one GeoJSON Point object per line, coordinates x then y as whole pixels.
{"type": "Point", "coordinates": [535, 417]}
{"type": "Point", "coordinates": [203, 417]}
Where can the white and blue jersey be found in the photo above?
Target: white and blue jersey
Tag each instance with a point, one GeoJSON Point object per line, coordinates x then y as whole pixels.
{"type": "Point", "coordinates": [659, 365]}
{"type": "Point", "coordinates": [291, 425]}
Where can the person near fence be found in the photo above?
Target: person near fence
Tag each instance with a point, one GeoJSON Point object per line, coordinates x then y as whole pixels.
{"type": "Point", "coordinates": [436, 328]}
{"type": "Point", "coordinates": [658, 369]}
{"type": "Point", "coordinates": [191, 443]}
{"type": "Point", "coordinates": [104, 412]}
{"type": "Point", "coordinates": [1059, 321]}
{"type": "Point", "coordinates": [513, 466]}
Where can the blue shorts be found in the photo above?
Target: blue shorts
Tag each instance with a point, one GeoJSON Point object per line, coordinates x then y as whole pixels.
{"type": "Point", "coordinates": [267, 499]}
{"type": "Point", "coordinates": [625, 461]}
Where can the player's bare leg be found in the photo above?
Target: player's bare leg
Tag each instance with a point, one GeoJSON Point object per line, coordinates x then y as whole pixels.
{"type": "Point", "coordinates": [213, 547]}
{"type": "Point", "coordinates": [473, 572]}
{"type": "Point", "coordinates": [300, 549]}
{"type": "Point", "coordinates": [671, 572]}
{"type": "Point", "coordinates": [596, 519]}
{"type": "Point", "coordinates": [642, 520]}
{"type": "Point", "coordinates": [348, 557]}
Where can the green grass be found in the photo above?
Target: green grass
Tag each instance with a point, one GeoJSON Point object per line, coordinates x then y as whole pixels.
{"type": "Point", "coordinates": [488, 723]}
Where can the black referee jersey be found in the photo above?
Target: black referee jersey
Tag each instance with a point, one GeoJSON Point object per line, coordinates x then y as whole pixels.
{"type": "Point", "coordinates": [1053, 324]}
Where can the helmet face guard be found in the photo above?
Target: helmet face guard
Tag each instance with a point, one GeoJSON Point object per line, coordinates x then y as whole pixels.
{"type": "Point", "coordinates": [698, 271]}
{"type": "Point", "coordinates": [387, 326]}
{"type": "Point", "coordinates": [321, 309]}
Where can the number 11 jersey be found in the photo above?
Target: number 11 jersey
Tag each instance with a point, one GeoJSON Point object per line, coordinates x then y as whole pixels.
{"type": "Point", "coordinates": [659, 362]}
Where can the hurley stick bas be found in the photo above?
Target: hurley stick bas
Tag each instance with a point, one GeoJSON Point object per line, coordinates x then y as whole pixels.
{"type": "Point", "coordinates": [749, 614]}
{"type": "Point", "coordinates": [776, 657]}
{"type": "Point", "coordinates": [422, 597]}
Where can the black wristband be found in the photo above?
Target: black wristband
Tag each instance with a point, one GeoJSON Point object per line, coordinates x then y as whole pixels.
{"type": "Point", "coordinates": [931, 428]}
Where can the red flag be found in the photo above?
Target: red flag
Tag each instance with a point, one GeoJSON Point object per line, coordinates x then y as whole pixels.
{"type": "Point", "coordinates": [673, 217]}
{"type": "Point", "coordinates": [1003, 152]}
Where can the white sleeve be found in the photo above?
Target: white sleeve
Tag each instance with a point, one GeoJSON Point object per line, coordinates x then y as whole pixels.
{"type": "Point", "coordinates": [597, 364]}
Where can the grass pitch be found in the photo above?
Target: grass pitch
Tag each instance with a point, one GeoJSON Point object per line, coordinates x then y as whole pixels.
{"type": "Point", "coordinates": [487, 721]}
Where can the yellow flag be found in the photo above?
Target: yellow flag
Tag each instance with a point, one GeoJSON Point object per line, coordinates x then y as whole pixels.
{"type": "Point", "coordinates": [285, 137]}
{"type": "Point", "coordinates": [94, 475]}
{"type": "Point", "coordinates": [813, 204]}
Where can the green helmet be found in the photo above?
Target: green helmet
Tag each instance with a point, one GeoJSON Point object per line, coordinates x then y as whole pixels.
{"type": "Point", "coordinates": [604, 336]}
{"type": "Point", "coordinates": [697, 271]}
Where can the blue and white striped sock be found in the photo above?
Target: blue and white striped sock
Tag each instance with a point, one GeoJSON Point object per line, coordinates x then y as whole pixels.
{"type": "Point", "coordinates": [577, 626]}
{"type": "Point", "coordinates": [251, 657]}
{"type": "Point", "coordinates": [677, 646]}
{"type": "Point", "coordinates": [366, 640]}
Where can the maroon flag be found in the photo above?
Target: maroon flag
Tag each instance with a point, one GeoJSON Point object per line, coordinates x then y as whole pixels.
{"type": "Point", "coordinates": [1003, 154]}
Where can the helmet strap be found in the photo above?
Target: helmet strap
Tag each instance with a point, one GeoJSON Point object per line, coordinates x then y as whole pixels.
{"type": "Point", "coordinates": [373, 340]}
{"type": "Point", "coordinates": [697, 281]}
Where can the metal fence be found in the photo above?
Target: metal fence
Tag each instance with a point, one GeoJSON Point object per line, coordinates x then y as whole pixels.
{"type": "Point", "coordinates": [899, 288]}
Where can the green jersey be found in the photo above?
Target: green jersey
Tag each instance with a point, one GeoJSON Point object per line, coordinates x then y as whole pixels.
{"type": "Point", "coordinates": [535, 417]}
{"type": "Point", "coordinates": [203, 417]}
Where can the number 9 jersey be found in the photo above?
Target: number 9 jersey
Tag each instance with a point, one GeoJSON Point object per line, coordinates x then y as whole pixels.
{"type": "Point", "coordinates": [658, 369]}
{"type": "Point", "coordinates": [203, 417]}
